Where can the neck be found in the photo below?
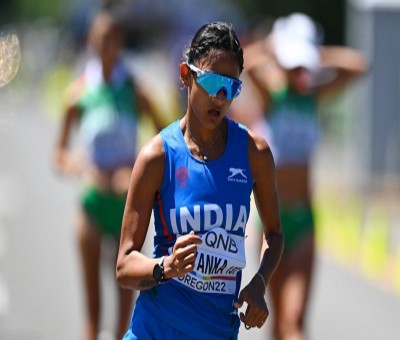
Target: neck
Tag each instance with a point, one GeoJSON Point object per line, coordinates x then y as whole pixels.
{"type": "Point", "coordinates": [202, 135]}
{"type": "Point", "coordinates": [108, 68]}
{"type": "Point", "coordinates": [206, 143]}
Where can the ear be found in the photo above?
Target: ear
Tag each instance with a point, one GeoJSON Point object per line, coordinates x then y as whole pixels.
{"type": "Point", "coordinates": [184, 74]}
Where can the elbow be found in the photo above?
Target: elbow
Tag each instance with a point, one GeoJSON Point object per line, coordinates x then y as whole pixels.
{"type": "Point", "coordinates": [126, 274]}
{"type": "Point", "coordinates": [121, 275]}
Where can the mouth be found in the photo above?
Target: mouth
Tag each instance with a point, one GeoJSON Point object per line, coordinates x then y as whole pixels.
{"type": "Point", "coordinates": [214, 113]}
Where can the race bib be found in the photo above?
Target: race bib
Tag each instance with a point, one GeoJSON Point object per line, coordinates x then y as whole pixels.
{"type": "Point", "coordinates": [219, 258]}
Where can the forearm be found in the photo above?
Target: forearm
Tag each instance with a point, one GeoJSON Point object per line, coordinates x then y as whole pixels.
{"type": "Point", "coordinates": [135, 271]}
{"type": "Point", "coordinates": [147, 107]}
{"type": "Point", "coordinates": [271, 253]}
{"type": "Point", "coordinates": [343, 58]}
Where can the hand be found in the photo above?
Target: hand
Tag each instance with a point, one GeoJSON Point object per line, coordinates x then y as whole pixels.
{"type": "Point", "coordinates": [257, 311]}
{"type": "Point", "coordinates": [183, 256]}
{"type": "Point", "coordinates": [68, 163]}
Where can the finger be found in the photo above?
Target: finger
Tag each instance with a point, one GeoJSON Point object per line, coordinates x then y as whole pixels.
{"type": "Point", "coordinates": [252, 317]}
{"type": "Point", "coordinates": [239, 302]}
{"type": "Point", "coordinates": [263, 320]}
{"type": "Point", "coordinates": [183, 252]}
{"type": "Point", "coordinates": [189, 267]}
{"type": "Point", "coordinates": [190, 257]}
{"type": "Point", "coordinates": [249, 321]}
{"type": "Point", "coordinates": [188, 262]}
{"type": "Point", "coordinates": [245, 318]}
{"type": "Point", "coordinates": [184, 259]}
{"type": "Point", "coordinates": [183, 244]}
{"type": "Point", "coordinates": [260, 317]}
{"type": "Point", "coordinates": [260, 323]}
{"type": "Point", "coordinates": [241, 316]}
{"type": "Point", "coordinates": [189, 239]}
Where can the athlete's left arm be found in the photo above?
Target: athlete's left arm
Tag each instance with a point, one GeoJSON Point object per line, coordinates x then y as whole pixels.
{"type": "Point", "coordinates": [146, 107]}
{"type": "Point", "coordinates": [347, 63]}
{"type": "Point", "coordinates": [266, 199]}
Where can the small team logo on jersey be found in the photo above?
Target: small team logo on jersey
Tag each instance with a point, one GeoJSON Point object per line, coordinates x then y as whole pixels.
{"type": "Point", "coordinates": [182, 174]}
{"type": "Point", "coordinates": [237, 175]}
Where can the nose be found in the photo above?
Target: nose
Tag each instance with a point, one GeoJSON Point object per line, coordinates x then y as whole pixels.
{"type": "Point", "coordinates": [221, 94]}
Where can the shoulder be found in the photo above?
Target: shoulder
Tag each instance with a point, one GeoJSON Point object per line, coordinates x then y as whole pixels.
{"type": "Point", "coordinates": [152, 153]}
{"type": "Point", "coordinates": [260, 155]}
{"type": "Point", "coordinates": [149, 165]}
{"type": "Point", "coordinates": [148, 170]}
{"type": "Point", "coordinates": [170, 134]}
{"type": "Point", "coordinates": [154, 149]}
{"type": "Point", "coordinates": [257, 143]}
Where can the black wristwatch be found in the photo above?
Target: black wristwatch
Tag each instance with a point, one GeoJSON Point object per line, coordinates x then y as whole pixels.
{"type": "Point", "coordinates": [158, 271]}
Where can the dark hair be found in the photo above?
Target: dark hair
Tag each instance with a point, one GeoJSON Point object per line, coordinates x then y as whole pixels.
{"type": "Point", "coordinates": [214, 36]}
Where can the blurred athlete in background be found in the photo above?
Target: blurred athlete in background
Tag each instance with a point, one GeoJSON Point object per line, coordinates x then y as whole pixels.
{"type": "Point", "coordinates": [104, 103]}
{"type": "Point", "coordinates": [292, 74]}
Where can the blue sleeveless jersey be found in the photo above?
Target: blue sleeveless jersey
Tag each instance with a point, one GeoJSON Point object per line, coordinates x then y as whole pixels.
{"type": "Point", "coordinates": [213, 199]}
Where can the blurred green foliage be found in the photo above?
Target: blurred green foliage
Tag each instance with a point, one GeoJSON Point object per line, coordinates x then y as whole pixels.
{"type": "Point", "coordinates": [12, 11]}
{"type": "Point", "coordinates": [330, 14]}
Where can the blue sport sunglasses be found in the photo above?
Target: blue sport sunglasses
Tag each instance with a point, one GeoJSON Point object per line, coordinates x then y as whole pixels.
{"type": "Point", "coordinates": [212, 83]}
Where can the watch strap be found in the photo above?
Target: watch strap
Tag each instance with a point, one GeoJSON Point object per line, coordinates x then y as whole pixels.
{"type": "Point", "coordinates": [160, 266]}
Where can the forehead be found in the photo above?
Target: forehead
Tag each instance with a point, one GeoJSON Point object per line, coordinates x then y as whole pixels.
{"type": "Point", "coordinates": [221, 62]}
{"type": "Point", "coordinates": [103, 25]}
{"type": "Point", "coordinates": [298, 71]}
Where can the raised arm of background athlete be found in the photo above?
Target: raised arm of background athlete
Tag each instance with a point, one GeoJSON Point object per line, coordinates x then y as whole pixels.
{"type": "Point", "coordinates": [135, 270]}
{"type": "Point", "coordinates": [347, 62]}
{"type": "Point", "coordinates": [266, 198]}
{"type": "Point", "coordinates": [265, 74]}
{"type": "Point", "coordinates": [147, 108]}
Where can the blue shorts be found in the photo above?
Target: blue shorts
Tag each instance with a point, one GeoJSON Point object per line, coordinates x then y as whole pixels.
{"type": "Point", "coordinates": [145, 326]}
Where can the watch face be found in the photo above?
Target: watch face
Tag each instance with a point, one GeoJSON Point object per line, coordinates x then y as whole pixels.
{"type": "Point", "coordinates": [157, 273]}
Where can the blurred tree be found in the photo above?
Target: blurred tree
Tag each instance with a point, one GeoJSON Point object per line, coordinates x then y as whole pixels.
{"type": "Point", "coordinates": [330, 14]}
{"type": "Point", "coordinates": [12, 11]}
{"type": "Point", "coordinates": [5, 6]}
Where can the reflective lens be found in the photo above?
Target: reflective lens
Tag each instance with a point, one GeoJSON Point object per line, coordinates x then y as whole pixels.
{"type": "Point", "coordinates": [212, 83]}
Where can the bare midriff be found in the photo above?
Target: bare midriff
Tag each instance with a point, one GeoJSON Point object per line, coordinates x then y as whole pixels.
{"type": "Point", "coordinates": [116, 181]}
{"type": "Point", "coordinates": [293, 183]}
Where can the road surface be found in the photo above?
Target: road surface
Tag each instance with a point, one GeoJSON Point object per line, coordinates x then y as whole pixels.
{"type": "Point", "coordinates": [40, 290]}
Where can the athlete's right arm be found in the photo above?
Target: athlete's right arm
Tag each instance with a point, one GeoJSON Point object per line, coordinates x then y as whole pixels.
{"type": "Point", "coordinates": [264, 72]}
{"type": "Point", "coordinates": [64, 161]}
{"type": "Point", "coordinates": [134, 270]}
